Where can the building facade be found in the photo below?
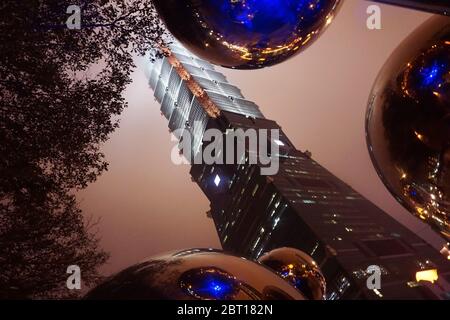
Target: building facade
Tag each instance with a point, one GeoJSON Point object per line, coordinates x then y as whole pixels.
{"type": "Point", "coordinates": [302, 206]}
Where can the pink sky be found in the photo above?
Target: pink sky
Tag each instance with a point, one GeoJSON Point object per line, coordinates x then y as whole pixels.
{"type": "Point", "coordinates": [149, 205]}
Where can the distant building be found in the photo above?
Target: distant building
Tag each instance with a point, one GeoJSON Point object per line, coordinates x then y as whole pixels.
{"type": "Point", "coordinates": [303, 206]}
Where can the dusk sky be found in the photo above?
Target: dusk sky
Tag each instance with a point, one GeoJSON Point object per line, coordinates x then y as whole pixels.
{"type": "Point", "coordinates": [148, 205]}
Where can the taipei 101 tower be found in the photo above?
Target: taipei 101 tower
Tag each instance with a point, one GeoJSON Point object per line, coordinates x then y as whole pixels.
{"type": "Point", "coordinates": [303, 206]}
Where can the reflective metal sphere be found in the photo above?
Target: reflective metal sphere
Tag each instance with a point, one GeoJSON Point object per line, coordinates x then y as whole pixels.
{"type": "Point", "coordinates": [408, 124]}
{"type": "Point", "coordinates": [196, 274]}
{"type": "Point", "coordinates": [246, 34]}
{"type": "Point", "coordinates": [299, 269]}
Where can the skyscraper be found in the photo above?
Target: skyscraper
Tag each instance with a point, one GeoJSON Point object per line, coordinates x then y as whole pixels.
{"type": "Point", "coordinates": [302, 206]}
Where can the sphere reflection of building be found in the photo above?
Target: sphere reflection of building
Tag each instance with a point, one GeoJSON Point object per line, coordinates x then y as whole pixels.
{"type": "Point", "coordinates": [246, 34]}
{"type": "Point", "coordinates": [408, 124]}
{"type": "Point", "coordinates": [299, 269]}
{"type": "Point", "coordinates": [196, 274]}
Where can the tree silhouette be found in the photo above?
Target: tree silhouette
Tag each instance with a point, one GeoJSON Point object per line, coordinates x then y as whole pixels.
{"type": "Point", "coordinates": [61, 94]}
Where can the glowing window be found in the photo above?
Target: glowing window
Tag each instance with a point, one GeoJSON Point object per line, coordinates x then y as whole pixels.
{"type": "Point", "coordinates": [278, 142]}
{"type": "Point", "coordinates": [217, 180]}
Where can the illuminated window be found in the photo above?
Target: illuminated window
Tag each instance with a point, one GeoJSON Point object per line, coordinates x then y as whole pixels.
{"type": "Point", "coordinates": [217, 180]}
{"type": "Point", "coordinates": [254, 190]}
{"type": "Point", "coordinates": [427, 275]}
{"type": "Point", "coordinates": [278, 142]}
{"type": "Point", "coordinates": [256, 243]}
{"type": "Point", "coordinates": [378, 293]}
{"type": "Point", "coordinates": [275, 222]}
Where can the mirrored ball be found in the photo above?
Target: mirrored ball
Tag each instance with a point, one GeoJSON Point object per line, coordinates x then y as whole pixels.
{"type": "Point", "coordinates": [408, 124]}
{"type": "Point", "coordinates": [297, 268]}
{"type": "Point", "coordinates": [195, 274]}
{"type": "Point", "coordinates": [246, 34]}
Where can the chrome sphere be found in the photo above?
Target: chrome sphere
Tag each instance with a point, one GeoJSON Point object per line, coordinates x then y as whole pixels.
{"type": "Point", "coordinates": [299, 269]}
{"type": "Point", "coordinates": [246, 34]}
{"type": "Point", "coordinates": [201, 274]}
{"type": "Point", "coordinates": [408, 124]}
